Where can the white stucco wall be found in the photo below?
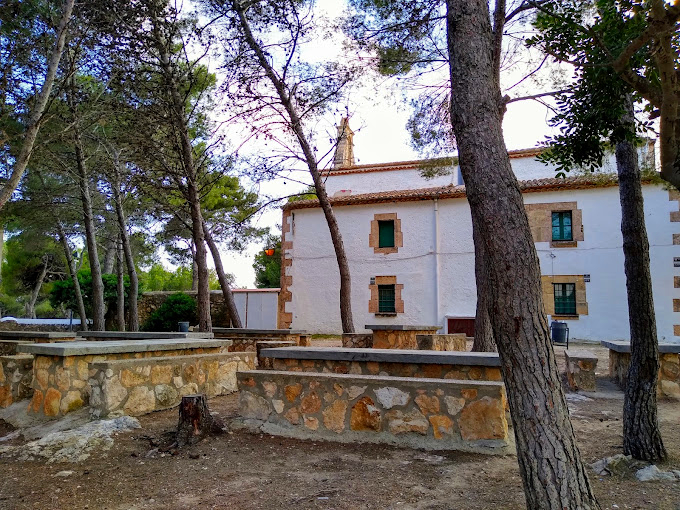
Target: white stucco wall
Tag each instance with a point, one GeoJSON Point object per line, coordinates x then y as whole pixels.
{"type": "Point", "coordinates": [386, 180]}
{"type": "Point", "coordinates": [315, 283]}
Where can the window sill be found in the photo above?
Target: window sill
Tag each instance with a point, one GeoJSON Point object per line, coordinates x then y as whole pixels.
{"type": "Point", "coordinates": [564, 317]}
{"type": "Point", "coordinates": [386, 314]}
{"type": "Point", "coordinates": [563, 244]}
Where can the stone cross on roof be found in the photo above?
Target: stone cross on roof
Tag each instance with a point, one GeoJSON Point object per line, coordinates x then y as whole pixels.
{"type": "Point", "coordinates": [344, 150]}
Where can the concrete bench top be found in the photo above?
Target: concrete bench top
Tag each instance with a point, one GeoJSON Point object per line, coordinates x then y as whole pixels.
{"type": "Point", "coordinates": [580, 354]}
{"type": "Point", "coordinates": [400, 327]}
{"type": "Point", "coordinates": [84, 348]}
{"type": "Point", "coordinates": [247, 331]}
{"type": "Point", "coordinates": [18, 335]}
{"type": "Point", "coordinates": [384, 355]}
{"type": "Point", "coordinates": [625, 347]}
{"type": "Point", "coordinates": [140, 335]}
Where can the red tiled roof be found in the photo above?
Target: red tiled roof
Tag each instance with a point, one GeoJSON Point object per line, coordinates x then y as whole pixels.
{"type": "Point", "coordinates": [451, 191]}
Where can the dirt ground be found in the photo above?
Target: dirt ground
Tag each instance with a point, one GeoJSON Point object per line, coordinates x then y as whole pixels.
{"type": "Point", "coordinates": [244, 471]}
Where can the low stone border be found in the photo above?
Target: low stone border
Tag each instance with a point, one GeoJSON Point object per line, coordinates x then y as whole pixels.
{"type": "Point", "coordinates": [357, 340]}
{"type": "Point", "coordinates": [16, 375]}
{"type": "Point", "coordinates": [422, 413]}
{"type": "Point", "coordinates": [140, 386]}
{"type": "Point", "coordinates": [580, 367]}
{"type": "Point", "coordinates": [450, 342]}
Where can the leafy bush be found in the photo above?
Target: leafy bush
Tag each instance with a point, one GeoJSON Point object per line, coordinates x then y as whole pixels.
{"type": "Point", "coordinates": [176, 308]}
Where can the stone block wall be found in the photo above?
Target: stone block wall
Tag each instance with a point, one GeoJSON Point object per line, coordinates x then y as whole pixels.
{"type": "Point", "coordinates": [16, 375]}
{"type": "Point", "coordinates": [61, 384]}
{"type": "Point", "coordinates": [14, 326]}
{"type": "Point", "coordinates": [149, 302]}
{"type": "Point", "coordinates": [444, 414]}
{"type": "Point", "coordinates": [418, 370]}
{"type": "Point", "coordinates": [141, 386]}
{"type": "Point", "coordinates": [450, 342]}
{"type": "Point", "coordinates": [580, 367]}
{"type": "Point", "coordinates": [669, 372]}
{"type": "Point", "coordinates": [357, 340]}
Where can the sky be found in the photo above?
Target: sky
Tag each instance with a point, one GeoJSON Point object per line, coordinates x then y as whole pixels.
{"type": "Point", "coordinates": [378, 117]}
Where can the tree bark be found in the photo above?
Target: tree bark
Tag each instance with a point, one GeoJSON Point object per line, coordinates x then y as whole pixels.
{"type": "Point", "coordinates": [30, 306]}
{"type": "Point", "coordinates": [120, 287]}
{"type": "Point", "coordinates": [133, 320]}
{"type": "Point", "coordinates": [98, 306]}
{"type": "Point", "coordinates": [297, 128]}
{"type": "Point", "coordinates": [552, 471]}
{"type": "Point", "coordinates": [35, 117]}
{"type": "Point", "coordinates": [483, 332]}
{"type": "Point", "coordinates": [195, 421]}
{"type": "Point", "coordinates": [226, 289]}
{"type": "Point", "coordinates": [73, 272]}
{"type": "Point", "coordinates": [641, 434]}
{"type": "Point", "coordinates": [110, 254]}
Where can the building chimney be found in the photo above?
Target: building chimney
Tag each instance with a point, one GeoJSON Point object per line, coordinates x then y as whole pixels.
{"type": "Point", "coordinates": [344, 150]}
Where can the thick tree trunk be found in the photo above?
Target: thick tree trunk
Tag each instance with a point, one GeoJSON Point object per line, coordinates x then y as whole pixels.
{"type": "Point", "coordinates": [98, 306]}
{"type": "Point", "coordinates": [226, 289]}
{"type": "Point", "coordinates": [38, 109]}
{"type": "Point", "coordinates": [30, 306]}
{"type": "Point", "coordinates": [110, 254]}
{"type": "Point", "coordinates": [550, 463]}
{"type": "Point", "coordinates": [194, 269]}
{"type": "Point", "coordinates": [73, 272]}
{"type": "Point", "coordinates": [641, 435]}
{"type": "Point", "coordinates": [310, 159]}
{"type": "Point", "coordinates": [483, 332]}
{"type": "Point", "coordinates": [133, 320]}
{"type": "Point", "coordinates": [195, 421]}
{"type": "Point", "coordinates": [120, 287]}
{"type": "Point", "coordinates": [203, 292]}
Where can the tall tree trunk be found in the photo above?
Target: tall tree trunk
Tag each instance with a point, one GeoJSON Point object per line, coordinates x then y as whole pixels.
{"type": "Point", "coordinates": [38, 109]}
{"type": "Point", "coordinates": [98, 306]}
{"type": "Point", "coordinates": [30, 306]}
{"type": "Point", "coordinates": [483, 332]}
{"type": "Point", "coordinates": [73, 272]}
{"type": "Point", "coordinates": [226, 289]}
{"type": "Point", "coordinates": [552, 471]}
{"type": "Point", "coordinates": [2, 247]}
{"type": "Point", "coordinates": [194, 269]}
{"type": "Point", "coordinates": [297, 128]}
{"type": "Point", "coordinates": [133, 321]}
{"type": "Point", "coordinates": [110, 254]}
{"type": "Point", "coordinates": [641, 434]}
{"type": "Point", "coordinates": [177, 107]}
{"type": "Point", "coordinates": [120, 286]}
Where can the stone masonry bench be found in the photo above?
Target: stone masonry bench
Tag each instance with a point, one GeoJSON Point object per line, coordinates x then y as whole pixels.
{"type": "Point", "coordinates": [390, 362]}
{"type": "Point", "coordinates": [62, 371]}
{"type": "Point", "coordinates": [669, 361]}
{"type": "Point", "coordinates": [10, 339]}
{"type": "Point", "coordinates": [246, 339]}
{"type": "Point", "coordinates": [422, 413]}
{"type": "Point", "coordinates": [580, 365]}
{"type": "Point", "coordinates": [398, 336]}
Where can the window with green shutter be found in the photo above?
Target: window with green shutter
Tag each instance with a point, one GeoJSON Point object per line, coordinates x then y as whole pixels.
{"type": "Point", "coordinates": [565, 298]}
{"type": "Point", "coordinates": [386, 299]}
{"type": "Point", "coordinates": [386, 234]}
{"type": "Point", "coordinates": [561, 226]}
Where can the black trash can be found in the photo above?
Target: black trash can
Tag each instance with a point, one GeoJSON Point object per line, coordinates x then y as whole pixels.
{"type": "Point", "coordinates": [183, 327]}
{"type": "Point", "coordinates": [559, 332]}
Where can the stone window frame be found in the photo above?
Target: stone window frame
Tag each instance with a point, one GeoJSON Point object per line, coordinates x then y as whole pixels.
{"type": "Point", "coordinates": [398, 301]}
{"type": "Point", "coordinates": [374, 236]}
{"type": "Point", "coordinates": [540, 222]}
{"type": "Point", "coordinates": [548, 289]}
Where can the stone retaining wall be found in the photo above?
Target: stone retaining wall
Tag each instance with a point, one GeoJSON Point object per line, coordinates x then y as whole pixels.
{"type": "Point", "coordinates": [422, 413]}
{"type": "Point", "coordinates": [669, 372]}
{"type": "Point", "coordinates": [61, 383]}
{"type": "Point", "coordinates": [450, 342]}
{"type": "Point", "coordinates": [141, 386]}
{"type": "Point", "coordinates": [357, 340]}
{"type": "Point", "coordinates": [16, 375]}
{"type": "Point", "coordinates": [429, 370]}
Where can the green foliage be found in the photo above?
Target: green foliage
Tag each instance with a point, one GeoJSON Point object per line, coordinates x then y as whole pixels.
{"type": "Point", "coordinates": [157, 278]}
{"type": "Point", "coordinates": [176, 308]}
{"type": "Point", "coordinates": [11, 305]}
{"type": "Point", "coordinates": [44, 310]}
{"type": "Point", "coordinates": [308, 194]}
{"type": "Point", "coordinates": [268, 267]}
{"type": "Point", "coordinates": [63, 292]}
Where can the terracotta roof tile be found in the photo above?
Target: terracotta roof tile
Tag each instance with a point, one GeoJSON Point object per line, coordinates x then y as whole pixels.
{"type": "Point", "coordinates": [451, 191]}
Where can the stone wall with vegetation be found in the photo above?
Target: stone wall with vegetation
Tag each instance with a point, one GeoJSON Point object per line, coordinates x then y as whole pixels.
{"type": "Point", "coordinates": [61, 384]}
{"type": "Point", "coordinates": [149, 302]}
{"type": "Point", "coordinates": [14, 326]}
{"type": "Point", "coordinates": [444, 414]}
{"type": "Point", "coordinates": [16, 375]}
{"type": "Point", "coordinates": [669, 372]}
{"type": "Point", "coordinates": [137, 387]}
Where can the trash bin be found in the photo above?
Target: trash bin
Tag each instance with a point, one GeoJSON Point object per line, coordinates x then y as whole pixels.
{"type": "Point", "coordinates": [559, 332]}
{"type": "Point", "coordinates": [183, 327]}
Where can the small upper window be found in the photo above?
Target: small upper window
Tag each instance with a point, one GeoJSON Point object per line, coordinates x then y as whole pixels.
{"type": "Point", "coordinates": [386, 299]}
{"type": "Point", "coordinates": [565, 298]}
{"type": "Point", "coordinates": [561, 226]}
{"type": "Point", "coordinates": [385, 233]}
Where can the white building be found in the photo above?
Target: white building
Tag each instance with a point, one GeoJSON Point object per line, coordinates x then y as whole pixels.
{"type": "Point", "coordinates": [411, 255]}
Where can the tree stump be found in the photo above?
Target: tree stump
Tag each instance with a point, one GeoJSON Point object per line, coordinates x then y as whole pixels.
{"type": "Point", "coordinates": [195, 420]}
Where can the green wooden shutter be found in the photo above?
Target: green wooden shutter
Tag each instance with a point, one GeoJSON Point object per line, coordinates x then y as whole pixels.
{"type": "Point", "coordinates": [386, 299]}
{"type": "Point", "coordinates": [386, 234]}
{"type": "Point", "coordinates": [565, 298]}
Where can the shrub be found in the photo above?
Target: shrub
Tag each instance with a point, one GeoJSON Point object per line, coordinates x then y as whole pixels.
{"type": "Point", "coordinates": [176, 308]}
